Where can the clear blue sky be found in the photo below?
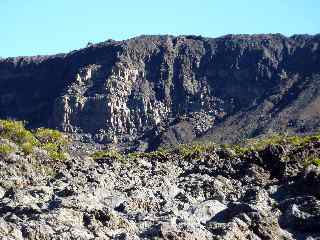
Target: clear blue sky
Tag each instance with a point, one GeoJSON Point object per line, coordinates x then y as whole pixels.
{"type": "Point", "coordinates": [32, 27]}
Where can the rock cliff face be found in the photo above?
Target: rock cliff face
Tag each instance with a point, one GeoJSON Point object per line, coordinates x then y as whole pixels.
{"type": "Point", "coordinates": [154, 90]}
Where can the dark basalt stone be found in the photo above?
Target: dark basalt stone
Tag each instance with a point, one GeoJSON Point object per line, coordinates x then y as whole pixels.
{"type": "Point", "coordinates": [148, 88]}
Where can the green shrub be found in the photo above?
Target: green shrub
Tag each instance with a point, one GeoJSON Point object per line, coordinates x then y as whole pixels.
{"type": "Point", "coordinates": [16, 132]}
{"type": "Point", "coordinates": [295, 140]}
{"type": "Point", "coordinates": [316, 162]}
{"type": "Point", "coordinates": [45, 136]}
{"type": "Point", "coordinates": [303, 140]}
{"type": "Point", "coordinates": [54, 151]}
{"type": "Point", "coordinates": [111, 154]}
{"type": "Point", "coordinates": [27, 148]}
{"type": "Point", "coordinates": [5, 150]}
{"type": "Point", "coordinates": [189, 151]}
{"type": "Point", "coordinates": [161, 154]}
{"type": "Point", "coordinates": [53, 142]}
{"type": "Point", "coordinates": [259, 144]}
{"type": "Point", "coordinates": [239, 150]}
{"type": "Point", "coordinates": [50, 140]}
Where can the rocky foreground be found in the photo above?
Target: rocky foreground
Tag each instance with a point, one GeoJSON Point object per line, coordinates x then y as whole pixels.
{"type": "Point", "coordinates": [267, 190]}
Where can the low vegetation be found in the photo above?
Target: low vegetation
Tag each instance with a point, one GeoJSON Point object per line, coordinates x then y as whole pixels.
{"type": "Point", "coordinates": [5, 150]}
{"type": "Point", "coordinates": [295, 140]}
{"type": "Point", "coordinates": [198, 150]}
{"type": "Point", "coordinates": [191, 151]}
{"type": "Point", "coordinates": [159, 155]}
{"type": "Point", "coordinates": [187, 151]}
{"type": "Point", "coordinates": [52, 141]}
{"type": "Point", "coordinates": [312, 158]}
{"type": "Point", "coordinates": [16, 132]}
{"type": "Point", "coordinates": [110, 154]}
{"type": "Point", "coordinates": [258, 144]}
{"type": "Point", "coordinates": [316, 162]}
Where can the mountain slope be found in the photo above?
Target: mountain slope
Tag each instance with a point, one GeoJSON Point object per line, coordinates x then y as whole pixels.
{"type": "Point", "coordinates": [158, 90]}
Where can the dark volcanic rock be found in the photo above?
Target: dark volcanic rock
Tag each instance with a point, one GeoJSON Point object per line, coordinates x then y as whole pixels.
{"type": "Point", "coordinates": [194, 192]}
{"type": "Point", "coordinates": [144, 89]}
{"type": "Point", "coordinates": [310, 182]}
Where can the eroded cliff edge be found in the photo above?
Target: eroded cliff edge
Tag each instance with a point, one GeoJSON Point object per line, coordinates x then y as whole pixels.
{"type": "Point", "coordinates": [155, 90]}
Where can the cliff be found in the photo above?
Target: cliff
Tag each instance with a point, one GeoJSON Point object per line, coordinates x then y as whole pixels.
{"type": "Point", "coordinates": [159, 90]}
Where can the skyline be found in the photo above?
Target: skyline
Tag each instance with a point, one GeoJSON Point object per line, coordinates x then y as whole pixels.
{"type": "Point", "coordinates": [43, 28]}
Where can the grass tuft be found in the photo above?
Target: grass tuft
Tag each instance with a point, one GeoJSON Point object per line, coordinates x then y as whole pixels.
{"type": "Point", "coordinates": [108, 154]}
{"type": "Point", "coordinates": [5, 150]}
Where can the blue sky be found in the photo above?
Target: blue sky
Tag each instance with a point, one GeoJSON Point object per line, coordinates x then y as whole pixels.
{"type": "Point", "coordinates": [32, 27]}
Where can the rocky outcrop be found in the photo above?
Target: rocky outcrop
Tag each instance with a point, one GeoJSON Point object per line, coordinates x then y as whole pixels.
{"type": "Point", "coordinates": [159, 90]}
{"type": "Point", "coordinates": [208, 194]}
